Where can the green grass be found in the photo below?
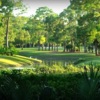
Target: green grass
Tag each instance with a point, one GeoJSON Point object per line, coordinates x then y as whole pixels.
{"type": "Point", "coordinates": [16, 61]}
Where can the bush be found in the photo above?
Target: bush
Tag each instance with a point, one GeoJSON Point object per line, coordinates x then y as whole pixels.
{"type": "Point", "coordinates": [2, 50]}
{"type": "Point", "coordinates": [90, 84]}
{"type": "Point", "coordinates": [20, 84]}
{"type": "Point", "coordinates": [8, 51]}
{"type": "Point", "coordinates": [30, 84]}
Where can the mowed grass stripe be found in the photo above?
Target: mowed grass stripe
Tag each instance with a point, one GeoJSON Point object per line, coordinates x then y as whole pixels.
{"type": "Point", "coordinates": [16, 60]}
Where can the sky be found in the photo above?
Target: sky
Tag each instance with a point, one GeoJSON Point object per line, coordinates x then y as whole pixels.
{"type": "Point", "coordinates": [56, 5]}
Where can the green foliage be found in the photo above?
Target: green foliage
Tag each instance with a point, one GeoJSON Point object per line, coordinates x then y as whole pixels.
{"type": "Point", "coordinates": [90, 84]}
{"type": "Point", "coordinates": [43, 12]}
{"type": "Point", "coordinates": [9, 51]}
{"type": "Point", "coordinates": [77, 24]}
{"type": "Point", "coordinates": [7, 6]}
{"type": "Point", "coordinates": [13, 49]}
{"type": "Point", "coordinates": [21, 84]}
{"type": "Point", "coordinates": [35, 85]}
{"type": "Point", "coordinates": [2, 50]}
{"type": "Point", "coordinates": [42, 39]}
{"type": "Point", "coordinates": [1, 36]}
{"type": "Point", "coordinates": [69, 47]}
{"type": "Point", "coordinates": [56, 69]}
{"type": "Point", "coordinates": [6, 9]}
{"type": "Point", "coordinates": [24, 36]}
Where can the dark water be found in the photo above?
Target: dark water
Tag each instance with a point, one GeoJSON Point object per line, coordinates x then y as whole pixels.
{"type": "Point", "coordinates": [54, 60]}
{"type": "Point", "coordinates": [48, 61]}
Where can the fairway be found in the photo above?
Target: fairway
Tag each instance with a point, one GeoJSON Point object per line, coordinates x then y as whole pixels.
{"type": "Point", "coordinates": [49, 49]}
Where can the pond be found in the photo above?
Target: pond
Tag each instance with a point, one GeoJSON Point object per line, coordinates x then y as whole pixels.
{"type": "Point", "coordinates": [62, 61]}
{"type": "Point", "coordinates": [47, 62]}
{"type": "Point", "coordinates": [50, 60]}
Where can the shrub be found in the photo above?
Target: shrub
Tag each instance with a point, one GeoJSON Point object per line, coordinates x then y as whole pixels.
{"type": "Point", "coordinates": [90, 85]}
{"type": "Point", "coordinates": [30, 84]}
{"type": "Point", "coordinates": [2, 50]}
{"type": "Point", "coordinates": [8, 51]}
{"type": "Point", "coordinates": [20, 84]}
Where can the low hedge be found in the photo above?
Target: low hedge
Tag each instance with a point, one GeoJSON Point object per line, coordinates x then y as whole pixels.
{"type": "Point", "coordinates": [23, 85]}
{"type": "Point", "coordinates": [30, 84]}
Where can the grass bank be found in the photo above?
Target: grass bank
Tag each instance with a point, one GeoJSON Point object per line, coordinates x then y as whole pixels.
{"type": "Point", "coordinates": [16, 61]}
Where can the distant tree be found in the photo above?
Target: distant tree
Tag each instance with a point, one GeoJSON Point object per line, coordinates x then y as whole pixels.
{"type": "Point", "coordinates": [24, 38]}
{"type": "Point", "coordinates": [45, 15]}
{"type": "Point", "coordinates": [69, 18]}
{"type": "Point", "coordinates": [42, 40]}
{"type": "Point", "coordinates": [50, 22]}
{"type": "Point", "coordinates": [88, 12]}
{"type": "Point", "coordinates": [42, 13]}
{"type": "Point", "coordinates": [36, 29]}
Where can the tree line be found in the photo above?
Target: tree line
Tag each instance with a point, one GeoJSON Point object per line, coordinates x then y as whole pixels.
{"type": "Point", "coordinates": [77, 25]}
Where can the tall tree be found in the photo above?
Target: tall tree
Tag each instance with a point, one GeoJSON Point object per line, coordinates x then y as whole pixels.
{"type": "Point", "coordinates": [89, 16]}
{"type": "Point", "coordinates": [69, 18]}
{"type": "Point", "coordinates": [24, 37]}
{"type": "Point", "coordinates": [6, 8]}
{"type": "Point", "coordinates": [43, 12]}
{"type": "Point", "coordinates": [36, 29]}
{"type": "Point", "coordinates": [43, 15]}
{"type": "Point", "coordinates": [50, 22]}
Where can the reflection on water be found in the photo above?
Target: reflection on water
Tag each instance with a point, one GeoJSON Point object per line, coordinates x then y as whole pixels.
{"type": "Point", "coordinates": [57, 62]}
{"type": "Point", "coordinates": [47, 62]}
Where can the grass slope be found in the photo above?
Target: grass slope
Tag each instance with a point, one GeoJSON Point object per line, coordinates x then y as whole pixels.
{"type": "Point", "coordinates": [16, 61]}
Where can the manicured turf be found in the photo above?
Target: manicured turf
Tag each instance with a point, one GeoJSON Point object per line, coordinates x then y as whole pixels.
{"type": "Point", "coordinates": [16, 61]}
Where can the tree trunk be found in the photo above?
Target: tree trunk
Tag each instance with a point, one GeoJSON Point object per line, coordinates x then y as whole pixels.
{"type": "Point", "coordinates": [95, 42]}
{"type": "Point", "coordinates": [45, 46]}
{"type": "Point", "coordinates": [57, 47]}
{"type": "Point", "coordinates": [38, 45]}
{"type": "Point", "coordinates": [85, 48]}
{"type": "Point", "coordinates": [7, 31]}
{"type": "Point", "coordinates": [52, 46]}
{"type": "Point", "coordinates": [96, 50]}
{"type": "Point", "coordinates": [42, 46]}
{"type": "Point", "coordinates": [49, 47]}
{"type": "Point", "coordinates": [64, 46]}
{"type": "Point", "coordinates": [22, 46]}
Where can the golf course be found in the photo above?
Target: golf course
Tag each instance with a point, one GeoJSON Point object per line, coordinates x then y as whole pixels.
{"type": "Point", "coordinates": [49, 49]}
{"type": "Point", "coordinates": [30, 56]}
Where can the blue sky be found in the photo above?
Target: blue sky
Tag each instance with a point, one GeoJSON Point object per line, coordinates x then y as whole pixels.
{"type": "Point", "coordinates": [56, 5]}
